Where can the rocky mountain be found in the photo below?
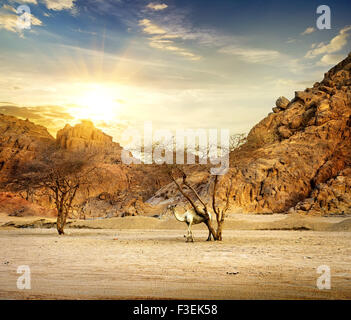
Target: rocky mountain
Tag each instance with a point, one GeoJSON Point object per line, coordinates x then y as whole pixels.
{"type": "Point", "coordinates": [84, 136]}
{"type": "Point", "coordinates": [298, 158]}
{"type": "Point", "coordinates": [122, 189]}
{"type": "Point", "coordinates": [303, 151]}
{"type": "Point", "coordinates": [20, 140]}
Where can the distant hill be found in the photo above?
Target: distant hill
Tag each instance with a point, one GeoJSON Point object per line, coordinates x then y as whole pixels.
{"type": "Point", "coordinates": [123, 190]}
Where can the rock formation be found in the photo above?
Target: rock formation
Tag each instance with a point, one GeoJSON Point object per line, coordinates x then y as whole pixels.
{"type": "Point", "coordinates": [20, 140]}
{"type": "Point", "coordinates": [298, 158]}
{"type": "Point", "coordinates": [303, 152]}
{"type": "Point", "coordinates": [122, 189]}
{"type": "Point", "coordinates": [84, 136]}
{"type": "Point", "coordinates": [14, 205]}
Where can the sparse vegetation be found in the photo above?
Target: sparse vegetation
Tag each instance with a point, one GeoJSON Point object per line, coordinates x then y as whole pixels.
{"type": "Point", "coordinates": [57, 174]}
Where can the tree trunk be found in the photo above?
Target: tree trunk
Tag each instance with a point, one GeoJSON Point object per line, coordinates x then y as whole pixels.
{"type": "Point", "coordinates": [211, 229]}
{"type": "Point", "coordinates": [60, 222]}
{"type": "Point", "coordinates": [219, 230]}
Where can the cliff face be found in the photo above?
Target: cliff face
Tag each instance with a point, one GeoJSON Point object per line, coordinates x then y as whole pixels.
{"type": "Point", "coordinates": [304, 151]}
{"type": "Point", "coordinates": [123, 187]}
{"type": "Point", "coordinates": [84, 136]}
{"type": "Point", "coordinates": [14, 205]}
{"type": "Point", "coordinates": [120, 190]}
{"type": "Point", "coordinates": [20, 140]}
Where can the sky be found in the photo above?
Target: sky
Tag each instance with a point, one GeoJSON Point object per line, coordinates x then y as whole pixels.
{"type": "Point", "coordinates": [177, 63]}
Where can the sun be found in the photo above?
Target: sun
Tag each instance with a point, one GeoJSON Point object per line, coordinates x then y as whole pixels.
{"type": "Point", "coordinates": [97, 104]}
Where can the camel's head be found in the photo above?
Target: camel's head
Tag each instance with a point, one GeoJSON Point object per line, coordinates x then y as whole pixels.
{"type": "Point", "coordinates": [171, 207]}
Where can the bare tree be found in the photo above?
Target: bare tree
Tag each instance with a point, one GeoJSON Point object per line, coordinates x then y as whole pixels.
{"type": "Point", "coordinates": [59, 175]}
{"type": "Point", "coordinates": [236, 140]}
{"type": "Point", "coordinates": [203, 210]}
{"type": "Point", "coordinates": [220, 211]}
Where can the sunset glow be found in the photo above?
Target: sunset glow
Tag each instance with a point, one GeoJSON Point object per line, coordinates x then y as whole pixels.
{"type": "Point", "coordinates": [99, 104]}
{"type": "Point", "coordinates": [160, 62]}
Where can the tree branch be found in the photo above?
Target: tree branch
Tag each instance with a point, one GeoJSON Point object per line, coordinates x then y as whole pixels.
{"type": "Point", "coordinates": [193, 190]}
{"type": "Point", "coordinates": [183, 193]}
{"type": "Point", "coordinates": [215, 210]}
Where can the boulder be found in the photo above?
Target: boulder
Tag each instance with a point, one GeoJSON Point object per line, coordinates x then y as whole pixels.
{"type": "Point", "coordinates": [284, 132]}
{"type": "Point", "coordinates": [282, 103]}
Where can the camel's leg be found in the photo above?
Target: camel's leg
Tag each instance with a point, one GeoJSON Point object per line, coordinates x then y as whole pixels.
{"type": "Point", "coordinates": [209, 236]}
{"type": "Point", "coordinates": [187, 233]}
{"type": "Point", "coordinates": [191, 238]}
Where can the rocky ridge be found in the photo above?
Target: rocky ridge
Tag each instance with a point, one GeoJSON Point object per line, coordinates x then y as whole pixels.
{"type": "Point", "coordinates": [20, 140]}
{"type": "Point", "coordinates": [84, 136]}
{"type": "Point", "coordinates": [298, 158]}
{"type": "Point", "coordinates": [123, 189]}
{"type": "Point", "coordinates": [303, 164]}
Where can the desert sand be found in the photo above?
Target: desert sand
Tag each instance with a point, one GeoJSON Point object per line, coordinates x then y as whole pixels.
{"type": "Point", "coordinates": [261, 257]}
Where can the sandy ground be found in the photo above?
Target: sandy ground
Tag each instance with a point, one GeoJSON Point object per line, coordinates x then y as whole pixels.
{"type": "Point", "coordinates": [119, 262]}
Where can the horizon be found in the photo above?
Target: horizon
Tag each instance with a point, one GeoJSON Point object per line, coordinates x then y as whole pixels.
{"type": "Point", "coordinates": [174, 63]}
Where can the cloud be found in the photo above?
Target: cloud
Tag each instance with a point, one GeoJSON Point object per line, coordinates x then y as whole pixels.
{"type": "Point", "coordinates": [58, 5]}
{"type": "Point", "coordinates": [169, 45]}
{"type": "Point", "coordinates": [309, 30]}
{"type": "Point", "coordinates": [330, 59]}
{"type": "Point", "coordinates": [8, 8]}
{"type": "Point", "coordinates": [20, 112]}
{"type": "Point", "coordinates": [157, 6]}
{"type": "Point", "coordinates": [164, 41]}
{"type": "Point", "coordinates": [151, 28]}
{"type": "Point", "coordinates": [335, 45]}
{"type": "Point", "coordinates": [50, 116]}
{"type": "Point", "coordinates": [24, 1]}
{"type": "Point", "coordinates": [35, 113]}
{"type": "Point", "coordinates": [9, 19]}
{"type": "Point", "coordinates": [173, 31]}
{"type": "Point", "coordinates": [251, 55]}
{"type": "Point", "coordinates": [291, 40]}
{"type": "Point", "coordinates": [2, 104]}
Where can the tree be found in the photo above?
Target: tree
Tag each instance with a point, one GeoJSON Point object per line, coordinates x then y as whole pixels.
{"type": "Point", "coordinates": [237, 140]}
{"type": "Point", "coordinates": [203, 210]}
{"type": "Point", "coordinates": [59, 174]}
{"type": "Point", "coordinates": [220, 211]}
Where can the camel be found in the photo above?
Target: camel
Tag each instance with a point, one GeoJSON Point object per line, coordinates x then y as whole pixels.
{"type": "Point", "coordinates": [190, 217]}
